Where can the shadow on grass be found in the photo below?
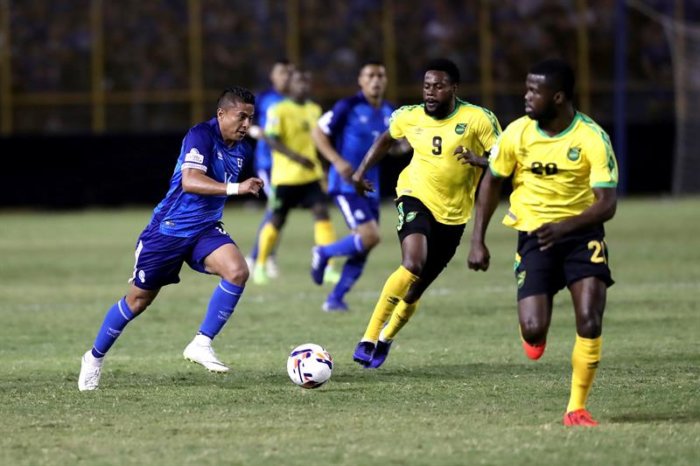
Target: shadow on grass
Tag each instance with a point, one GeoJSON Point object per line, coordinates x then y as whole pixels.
{"type": "Point", "coordinates": [645, 418]}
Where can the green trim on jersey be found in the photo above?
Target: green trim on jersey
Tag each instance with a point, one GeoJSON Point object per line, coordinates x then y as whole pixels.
{"type": "Point", "coordinates": [401, 109]}
{"type": "Point", "coordinates": [489, 114]}
{"type": "Point", "coordinates": [495, 173]}
{"type": "Point", "coordinates": [610, 184]}
{"type": "Point", "coordinates": [612, 164]}
{"type": "Point", "coordinates": [458, 103]}
{"type": "Point", "coordinates": [577, 117]}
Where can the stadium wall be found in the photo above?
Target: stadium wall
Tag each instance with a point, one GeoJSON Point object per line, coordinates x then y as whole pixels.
{"type": "Point", "coordinates": [68, 172]}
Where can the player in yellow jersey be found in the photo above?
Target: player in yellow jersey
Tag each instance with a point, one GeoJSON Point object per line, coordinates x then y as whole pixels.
{"type": "Point", "coordinates": [296, 168]}
{"type": "Point", "coordinates": [435, 196]}
{"type": "Point", "coordinates": [564, 188]}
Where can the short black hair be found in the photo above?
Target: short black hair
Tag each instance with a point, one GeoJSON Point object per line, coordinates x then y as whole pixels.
{"type": "Point", "coordinates": [558, 74]}
{"type": "Point", "coordinates": [445, 65]}
{"type": "Point", "coordinates": [234, 94]}
{"type": "Point", "coordinates": [371, 62]}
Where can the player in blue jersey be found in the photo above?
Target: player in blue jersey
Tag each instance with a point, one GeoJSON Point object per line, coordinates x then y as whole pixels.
{"type": "Point", "coordinates": [343, 136]}
{"type": "Point", "coordinates": [279, 78]}
{"type": "Point", "coordinates": [186, 227]}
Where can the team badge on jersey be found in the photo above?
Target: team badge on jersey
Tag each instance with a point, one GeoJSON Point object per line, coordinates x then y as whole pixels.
{"type": "Point", "coordinates": [460, 128]}
{"type": "Point", "coordinates": [574, 154]}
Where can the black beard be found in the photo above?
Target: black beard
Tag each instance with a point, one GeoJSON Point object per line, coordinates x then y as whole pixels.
{"type": "Point", "coordinates": [440, 111]}
{"type": "Point", "coordinates": [545, 115]}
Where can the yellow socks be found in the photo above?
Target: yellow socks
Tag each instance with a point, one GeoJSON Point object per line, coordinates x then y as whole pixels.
{"type": "Point", "coordinates": [266, 242]}
{"type": "Point", "coordinates": [584, 360]}
{"type": "Point", "coordinates": [399, 317]}
{"type": "Point", "coordinates": [324, 233]}
{"type": "Point", "coordinates": [395, 289]}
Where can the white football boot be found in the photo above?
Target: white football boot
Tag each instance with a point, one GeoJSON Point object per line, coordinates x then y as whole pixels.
{"type": "Point", "coordinates": [90, 372]}
{"type": "Point", "coordinates": [200, 351]}
{"type": "Point", "coordinates": [271, 267]}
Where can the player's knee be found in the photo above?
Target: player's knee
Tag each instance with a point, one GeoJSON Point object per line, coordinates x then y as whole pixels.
{"type": "Point", "coordinates": [533, 331]}
{"type": "Point", "coordinates": [413, 266]}
{"type": "Point", "coordinates": [370, 239]}
{"type": "Point", "coordinates": [138, 304]}
{"type": "Point", "coordinates": [589, 325]}
{"type": "Point", "coordinates": [237, 274]}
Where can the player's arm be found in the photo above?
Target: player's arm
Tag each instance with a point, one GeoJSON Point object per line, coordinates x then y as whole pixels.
{"type": "Point", "coordinates": [325, 147]}
{"type": "Point", "coordinates": [376, 152]}
{"type": "Point", "coordinates": [195, 181]}
{"type": "Point", "coordinates": [486, 203]}
{"type": "Point", "coordinates": [279, 146]}
{"type": "Point", "coordinates": [602, 210]}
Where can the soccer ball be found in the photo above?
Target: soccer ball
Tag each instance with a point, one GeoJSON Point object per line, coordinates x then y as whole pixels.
{"type": "Point", "coordinates": [309, 365]}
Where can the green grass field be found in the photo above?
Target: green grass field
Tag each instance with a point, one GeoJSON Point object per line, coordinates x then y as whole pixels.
{"type": "Point", "coordinates": [456, 390]}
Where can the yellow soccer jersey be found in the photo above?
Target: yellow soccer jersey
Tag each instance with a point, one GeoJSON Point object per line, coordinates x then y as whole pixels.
{"type": "Point", "coordinates": [435, 176]}
{"type": "Point", "coordinates": [553, 176]}
{"type": "Point", "coordinates": [291, 123]}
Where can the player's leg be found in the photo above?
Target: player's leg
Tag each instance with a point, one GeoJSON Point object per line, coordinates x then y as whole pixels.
{"type": "Point", "coordinates": [215, 253]}
{"type": "Point", "coordinates": [324, 232]}
{"type": "Point", "coordinates": [269, 235]}
{"type": "Point", "coordinates": [114, 323]}
{"type": "Point", "coordinates": [589, 295]}
{"type": "Point", "coordinates": [442, 245]}
{"type": "Point", "coordinates": [414, 228]}
{"type": "Point", "coordinates": [361, 215]}
{"type": "Point", "coordinates": [539, 276]}
{"type": "Point", "coordinates": [271, 262]}
{"type": "Point", "coordinates": [535, 316]}
{"type": "Point", "coordinates": [158, 259]}
{"type": "Point", "coordinates": [588, 277]}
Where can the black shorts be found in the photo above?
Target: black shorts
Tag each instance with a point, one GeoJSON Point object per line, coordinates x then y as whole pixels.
{"type": "Point", "coordinates": [286, 197]}
{"type": "Point", "coordinates": [415, 217]}
{"type": "Point", "coordinates": [578, 255]}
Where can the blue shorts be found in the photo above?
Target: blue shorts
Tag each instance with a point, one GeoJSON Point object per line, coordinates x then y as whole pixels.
{"type": "Point", "coordinates": [159, 257]}
{"type": "Point", "coordinates": [357, 209]}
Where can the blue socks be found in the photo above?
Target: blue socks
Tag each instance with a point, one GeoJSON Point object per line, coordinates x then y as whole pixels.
{"type": "Point", "coordinates": [223, 302]}
{"type": "Point", "coordinates": [116, 319]}
{"type": "Point", "coordinates": [351, 273]}
{"type": "Point", "coordinates": [347, 246]}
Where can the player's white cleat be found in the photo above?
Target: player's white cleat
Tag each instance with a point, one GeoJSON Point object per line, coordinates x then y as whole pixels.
{"type": "Point", "coordinates": [90, 372]}
{"type": "Point", "coordinates": [201, 352]}
{"type": "Point", "coordinates": [272, 268]}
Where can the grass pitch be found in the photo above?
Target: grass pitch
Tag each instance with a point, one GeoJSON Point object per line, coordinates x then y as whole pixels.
{"type": "Point", "coordinates": [456, 389]}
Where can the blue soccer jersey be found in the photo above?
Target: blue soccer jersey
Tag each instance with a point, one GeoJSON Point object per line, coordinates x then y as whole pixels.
{"type": "Point", "coordinates": [263, 154]}
{"type": "Point", "coordinates": [353, 124]}
{"type": "Point", "coordinates": [186, 214]}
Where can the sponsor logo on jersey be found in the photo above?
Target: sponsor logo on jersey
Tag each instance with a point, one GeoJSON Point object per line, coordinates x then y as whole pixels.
{"type": "Point", "coordinates": [219, 155]}
{"type": "Point", "coordinates": [142, 276]}
{"type": "Point", "coordinates": [194, 156]}
{"type": "Point", "coordinates": [460, 128]}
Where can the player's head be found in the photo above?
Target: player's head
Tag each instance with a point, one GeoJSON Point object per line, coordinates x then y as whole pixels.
{"type": "Point", "coordinates": [372, 79]}
{"type": "Point", "coordinates": [234, 113]}
{"type": "Point", "coordinates": [279, 75]}
{"type": "Point", "coordinates": [549, 86]}
{"type": "Point", "coordinates": [299, 84]}
{"type": "Point", "coordinates": [440, 87]}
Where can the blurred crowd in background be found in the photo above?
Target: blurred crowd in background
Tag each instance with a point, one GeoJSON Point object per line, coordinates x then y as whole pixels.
{"type": "Point", "coordinates": [146, 49]}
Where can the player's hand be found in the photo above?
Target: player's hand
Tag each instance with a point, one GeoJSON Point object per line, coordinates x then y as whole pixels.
{"type": "Point", "coordinates": [479, 257]}
{"type": "Point", "coordinates": [548, 234]}
{"type": "Point", "coordinates": [344, 169]}
{"type": "Point", "coordinates": [362, 186]}
{"type": "Point", "coordinates": [255, 132]}
{"type": "Point", "coordinates": [467, 157]}
{"type": "Point", "coordinates": [251, 186]}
